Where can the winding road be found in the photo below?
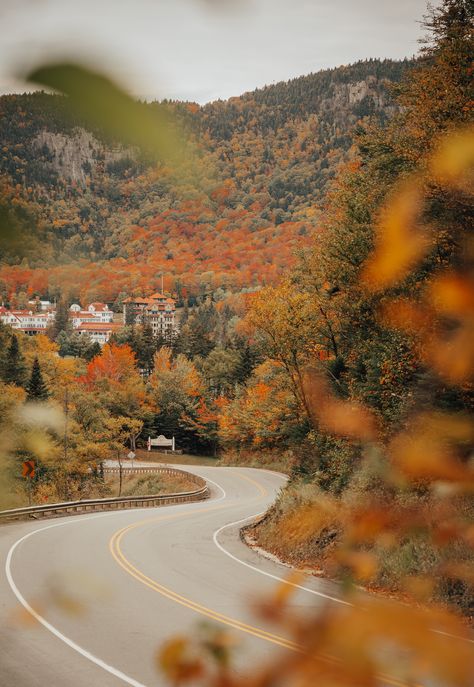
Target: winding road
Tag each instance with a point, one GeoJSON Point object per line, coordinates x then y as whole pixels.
{"type": "Point", "coordinates": [87, 600]}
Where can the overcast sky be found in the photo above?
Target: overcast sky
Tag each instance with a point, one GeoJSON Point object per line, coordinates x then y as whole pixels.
{"type": "Point", "coordinates": [202, 50]}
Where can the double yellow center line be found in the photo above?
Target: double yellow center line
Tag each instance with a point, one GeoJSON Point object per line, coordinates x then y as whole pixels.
{"type": "Point", "coordinates": [115, 547]}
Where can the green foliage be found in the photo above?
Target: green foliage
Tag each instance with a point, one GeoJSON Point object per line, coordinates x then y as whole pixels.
{"type": "Point", "coordinates": [265, 162]}
{"type": "Point", "coordinates": [36, 387]}
{"type": "Point", "coordinates": [62, 323]}
{"type": "Point", "coordinates": [13, 364]}
{"type": "Point", "coordinates": [102, 104]}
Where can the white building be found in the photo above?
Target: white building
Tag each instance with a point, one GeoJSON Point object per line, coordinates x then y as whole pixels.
{"type": "Point", "coordinates": [27, 321]}
{"type": "Point", "coordinates": [95, 312]}
{"type": "Point", "coordinates": [101, 312]}
{"type": "Point", "coordinates": [98, 332]}
{"type": "Point", "coordinates": [96, 321]}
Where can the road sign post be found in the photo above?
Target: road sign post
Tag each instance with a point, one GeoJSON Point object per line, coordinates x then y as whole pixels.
{"type": "Point", "coordinates": [28, 472]}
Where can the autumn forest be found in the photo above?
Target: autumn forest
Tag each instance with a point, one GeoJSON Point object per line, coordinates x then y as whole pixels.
{"type": "Point", "coordinates": [317, 243]}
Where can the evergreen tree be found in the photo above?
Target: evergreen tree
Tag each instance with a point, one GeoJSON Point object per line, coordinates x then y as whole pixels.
{"type": "Point", "coordinates": [61, 322]}
{"type": "Point", "coordinates": [36, 387]}
{"type": "Point", "coordinates": [145, 348]}
{"type": "Point", "coordinates": [63, 341]}
{"type": "Point", "coordinates": [130, 315]}
{"type": "Point", "coordinates": [248, 359]}
{"type": "Point", "coordinates": [14, 369]}
{"type": "Point", "coordinates": [93, 351]}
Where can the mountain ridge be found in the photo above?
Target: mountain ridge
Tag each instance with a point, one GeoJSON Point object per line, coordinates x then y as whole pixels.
{"type": "Point", "coordinates": [249, 200]}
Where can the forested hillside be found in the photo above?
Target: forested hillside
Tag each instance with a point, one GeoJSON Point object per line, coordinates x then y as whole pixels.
{"type": "Point", "coordinates": [109, 222]}
{"type": "Point", "coordinates": [353, 372]}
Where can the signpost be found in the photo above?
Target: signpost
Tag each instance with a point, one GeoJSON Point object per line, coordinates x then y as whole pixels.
{"type": "Point", "coordinates": [131, 456]}
{"type": "Point", "coordinates": [28, 472]}
{"type": "Point", "coordinates": [28, 469]}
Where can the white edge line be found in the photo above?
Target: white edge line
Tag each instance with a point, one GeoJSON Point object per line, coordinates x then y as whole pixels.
{"type": "Point", "coordinates": [264, 572]}
{"type": "Point", "coordinates": [293, 584]}
{"type": "Point", "coordinates": [224, 495]}
{"type": "Point", "coordinates": [83, 652]}
{"type": "Point", "coordinates": [73, 645]}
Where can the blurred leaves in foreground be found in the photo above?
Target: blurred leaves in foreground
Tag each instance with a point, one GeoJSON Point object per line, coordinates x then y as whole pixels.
{"type": "Point", "coordinates": [93, 101]}
{"type": "Point", "coordinates": [102, 104]}
{"type": "Point", "coordinates": [423, 472]}
{"type": "Point", "coordinates": [408, 512]}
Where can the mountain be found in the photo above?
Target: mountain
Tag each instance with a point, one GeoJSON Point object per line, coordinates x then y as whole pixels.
{"type": "Point", "coordinates": [109, 223]}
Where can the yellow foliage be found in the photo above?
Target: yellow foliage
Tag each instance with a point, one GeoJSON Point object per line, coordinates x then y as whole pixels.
{"type": "Point", "coordinates": [338, 417]}
{"type": "Point", "coordinates": [400, 241]}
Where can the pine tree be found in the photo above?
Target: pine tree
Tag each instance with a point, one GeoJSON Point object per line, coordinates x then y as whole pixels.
{"type": "Point", "coordinates": [93, 351]}
{"type": "Point", "coordinates": [130, 315]}
{"type": "Point", "coordinates": [13, 368]}
{"type": "Point", "coordinates": [61, 321]}
{"type": "Point", "coordinates": [146, 348]}
{"type": "Point", "coordinates": [37, 389]}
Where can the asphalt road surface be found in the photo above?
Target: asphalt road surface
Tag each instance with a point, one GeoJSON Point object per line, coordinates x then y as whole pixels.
{"type": "Point", "coordinates": [88, 599]}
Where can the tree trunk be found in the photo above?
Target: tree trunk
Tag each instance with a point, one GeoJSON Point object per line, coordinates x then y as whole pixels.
{"type": "Point", "coordinates": [120, 472]}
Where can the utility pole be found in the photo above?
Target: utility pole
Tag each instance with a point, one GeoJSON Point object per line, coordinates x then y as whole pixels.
{"type": "Point", "coordinates": [66, 439]}
{"type": "Point", "coordinates": [66, 416]}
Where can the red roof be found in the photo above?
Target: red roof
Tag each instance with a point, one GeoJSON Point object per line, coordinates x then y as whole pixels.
{"type": "Point", "coordinates": [139, 299]}
{"type": "Point", "coordinates": [98, 326]}
{"type": "Point", "coordinates": [150, 301]}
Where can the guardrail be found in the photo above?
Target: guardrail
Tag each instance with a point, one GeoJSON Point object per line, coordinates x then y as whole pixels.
{"type": "Point", "coordinates": [128, 469]}
{"type": "Point", "coordinates": [114, 502]}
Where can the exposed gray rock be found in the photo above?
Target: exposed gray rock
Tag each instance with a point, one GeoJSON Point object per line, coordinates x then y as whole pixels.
{"type": "Point", "coordinates": [76, 155]}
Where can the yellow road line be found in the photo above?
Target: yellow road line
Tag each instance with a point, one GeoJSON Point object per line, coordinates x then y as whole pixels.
{"type": "Point", "coordinates": [118, 555]}
{"type": "Point", "coordinates": [261, 489]}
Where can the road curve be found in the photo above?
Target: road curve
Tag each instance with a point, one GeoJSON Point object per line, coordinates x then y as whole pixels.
{"type": "Point", "coordinates": [87, 600]}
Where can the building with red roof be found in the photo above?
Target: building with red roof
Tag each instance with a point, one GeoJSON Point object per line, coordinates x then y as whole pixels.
{"type": "Point", "coordinates": [98, 332]}
{"type": "Point", "coordinates": [158, 310]}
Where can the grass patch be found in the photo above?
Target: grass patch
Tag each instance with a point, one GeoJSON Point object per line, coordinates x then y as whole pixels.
{"type": "Point", "coordinates": [271, 460]}
{"type": "Point", "coordinates": [302, 527]}
{"type": "Point", "coordinates": [146, 485]}
{"type": "Point", "coordinates": [306, 527]}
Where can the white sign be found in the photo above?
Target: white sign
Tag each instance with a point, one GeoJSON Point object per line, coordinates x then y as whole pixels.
{"type": "Point", "coordinates": [131, 455]}
{"type": "Point", "coordinates": [161, 442]}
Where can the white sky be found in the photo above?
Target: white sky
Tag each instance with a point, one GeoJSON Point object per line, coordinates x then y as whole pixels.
{"type": "Point", "coordinates": [203, 49]}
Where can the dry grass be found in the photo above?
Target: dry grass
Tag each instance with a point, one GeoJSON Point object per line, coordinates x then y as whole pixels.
{"type": "Point", "coordinates": [144, 485]}
{"type": "Point", "coordinates": [255, 458]}
{"type": "Point", "coordinates": [308, 528]}
{"type": "Point", "coordinates": [302, 527]}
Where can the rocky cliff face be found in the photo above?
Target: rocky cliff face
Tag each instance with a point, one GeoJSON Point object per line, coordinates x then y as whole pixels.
{"type": "Point", "coordinates": [75, 155]}
{"type": "Point", "coordinates": [266, 160]}
{"type": "Point", "coordinates": [369, 88]}
{"type": "Point", "coordinates": [359, 98]}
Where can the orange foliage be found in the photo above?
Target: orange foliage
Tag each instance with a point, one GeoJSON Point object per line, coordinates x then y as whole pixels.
{"type": "Point", "coordinates": [114, 364]}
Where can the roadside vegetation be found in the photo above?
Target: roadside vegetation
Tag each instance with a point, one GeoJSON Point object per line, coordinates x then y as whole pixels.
{"type": "Point", "coordinates": [354, 372]}
{"type": "Point", "coordinates": [145, 485]}
{"type": "Point", "coordinates": [368, 316]}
